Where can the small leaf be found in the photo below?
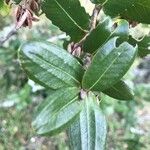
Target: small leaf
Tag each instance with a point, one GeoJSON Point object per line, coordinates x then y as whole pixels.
{"type": "Point", "coordinates": [68, 15]}
{"type": "Point", "coordinates": [103, 33]}
{"type": "Point", "coordinates": [50, 65]}
{"type": "Point", "coordinates": [109, 65]}
{"type": "Point", "coordinates": [134, 10]}
{"type": "Point", "coordinates": [122, 31]}
{"type": "Point", "coordinates": [143, 45]}
{"type": "Point", "coordinates": [89, 130]}
{"type": "Point", "coordinates": [58, 111]}
{"type": "Point", "coordinates": [119, 91]}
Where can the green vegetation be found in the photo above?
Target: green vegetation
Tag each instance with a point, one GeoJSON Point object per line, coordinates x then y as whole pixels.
{"type": "Point", "coordinates": [22, 119]}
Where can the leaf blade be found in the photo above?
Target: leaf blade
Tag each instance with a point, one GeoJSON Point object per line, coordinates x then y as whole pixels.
{"type": "Point", "coordinates": [103, 33]}
{"type": "Point", "coordinates": [109, 65]}
{"type": "Point", "coordinates": [50, 65]}
{"type": "Point", "coordinates": [97, 37]}
{"type": "Point", "coordinates": [134, 10]}
{"type": "Point", "coordinates": [58, 111]}
{"type": "Point", "coordinates": [119, 91]}
{"type": "Point", "coordinates": [61, 14]}
{"type": "Point", "coordinates": [89, 131]}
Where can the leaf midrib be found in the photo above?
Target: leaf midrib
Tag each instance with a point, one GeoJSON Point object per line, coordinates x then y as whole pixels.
{"type": "Point", "coordinates": [50, 103]}
{"type": "Point", "coordinates": [55, 67]}
{"type": "Point", "coordinates": [119, 91]}
{"type": "Point", "coordinates": [59, 5]}
{"type": "Point", "coordinates": [76, 62]}
{"type": "Point", "coordinates": [57, 110]}
{"type": "Point", "coordinates": [106, 70]}
{"type": "Point", "coordinates": [73, 100]}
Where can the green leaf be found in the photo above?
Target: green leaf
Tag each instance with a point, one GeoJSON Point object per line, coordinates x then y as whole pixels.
{"type": "Point", "coordinates": [103, 33]}
{"type": "Point", "coordinates": [98, 36]}
{"type": "Point", "coordinates": [120, 91]}
{"type": "Point", "coordinates": [58, 111]}
{"type": "Point", "coordinates": [89, 130]}
{"type": "Point", "coordinates": [109, 65]}
{"type": "Point", "coordinates": [122, 31]}
{"type": "Point", "coordinates": [50, 65]}
{"type": "Point", "coordinates": [68, 15]}
{"type": "Point", "coordinates": [135, 10]}
{"type": "Point", "coordinates": [143, 45]}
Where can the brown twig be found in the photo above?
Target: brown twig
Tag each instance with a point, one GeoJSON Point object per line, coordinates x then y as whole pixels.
{"type": "Point", "coordinates": [94, 16]}
{"type": "Point", "coordinates": [92, 26]}
{"type": "Point", "coordinates": [8, 36]}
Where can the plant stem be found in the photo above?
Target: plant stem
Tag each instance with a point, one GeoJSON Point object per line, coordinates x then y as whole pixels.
{"type": "Point", "coordinates": [94, 17]}
{"type": "Point", "coordinates": [92, 26]}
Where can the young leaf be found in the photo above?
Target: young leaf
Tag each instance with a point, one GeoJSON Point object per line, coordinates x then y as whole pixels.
{"type": "Point", "coordinates": [50, 65]}
{"type": "Point", "coordinates": [58, 111]}
{"type": "Point", "coordinates": [122, 31]}
{"type": "Point", "coordinates": [68, 15]}
{"type": "Point", "coordinates": [109, 65]}
{"type": "Point", "coordinates": [134, 10]}
{"type": "Point", "coordinates": [120, 91]}
{"type": "Point", "coordinates": [103, 33]}
{"type": "Point", "coordinates": [89, 130]}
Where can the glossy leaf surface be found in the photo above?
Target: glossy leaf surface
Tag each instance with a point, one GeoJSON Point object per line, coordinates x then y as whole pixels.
{"type": "Point", "coordinates": [120, 91]}
{"type": "Point", "coordinates": [89, 130]}
{"type": "Point", "coordinates": [134, 10]}
{"type": "Point", "coordinates": [57, 111]}
{"type": "Point", "coordinates": [103, 33]}
{"type": "Point", "coordinates": [109, 65]}
{"type": "Point", "coordinates": [68, 15]}
{"type": "Point", "coordinates": [50, 65]}
{"type": "Point", "coordinates": [98, 36]}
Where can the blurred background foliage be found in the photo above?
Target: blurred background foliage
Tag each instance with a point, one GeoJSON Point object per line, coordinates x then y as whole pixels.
{"type": "Point", "coordinates": [128, 122]}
